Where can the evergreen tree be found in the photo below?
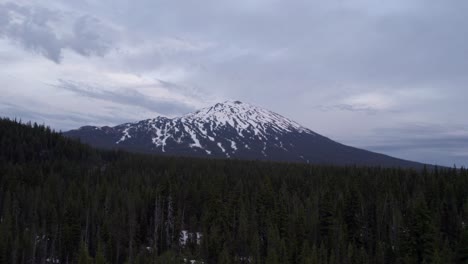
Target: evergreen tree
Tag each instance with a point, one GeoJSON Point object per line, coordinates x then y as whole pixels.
{"type": "Point", "coordinates": [84, 257]}
{"type": "Point", "coordinates": [462, 251]}
{"type": "Point", "coordinates": [100, 258]}
{"type": "Point", "coordinates": [424, 232]}
{"type": "Point", "coordinates": [224, 257]}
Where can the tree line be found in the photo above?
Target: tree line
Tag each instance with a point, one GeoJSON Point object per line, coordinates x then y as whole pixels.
{"type": "Point", "coordinates": [64, 202]}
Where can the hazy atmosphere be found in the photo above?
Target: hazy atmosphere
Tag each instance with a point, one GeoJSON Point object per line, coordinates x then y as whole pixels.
{"type": "Point", "coordinates": [386, 77]}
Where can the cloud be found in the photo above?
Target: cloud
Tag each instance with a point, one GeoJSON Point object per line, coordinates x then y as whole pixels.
{"type": "Point", "coordinates": [370, 101]}
{"type": "Point", "coordinates": [343, 68]}
{"type": "Point", "coordinates": [89, 37]}
{"type": "Point", "coordinates": [376, 101]}
{"type": "Point", "coordinates": [429, 142]}
{"type": "Point", "coordinates": [127, 96]}
{"type": "Point", "coordinates": [57, 119]}
{"type": "Point", "coordinates": [49, 32]}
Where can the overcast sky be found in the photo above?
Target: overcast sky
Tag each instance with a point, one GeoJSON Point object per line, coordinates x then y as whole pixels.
{"type": "Point", "coordinates": [389, 76]}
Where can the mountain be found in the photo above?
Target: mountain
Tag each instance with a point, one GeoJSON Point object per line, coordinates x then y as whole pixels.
{"type": "Point", "coordinates": [232, 130]}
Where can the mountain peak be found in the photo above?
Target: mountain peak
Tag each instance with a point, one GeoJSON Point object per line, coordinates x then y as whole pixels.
{"type": "Point", "coordinates": [243, 117]}
{"type": "Point", "coordinates": [231, 129]}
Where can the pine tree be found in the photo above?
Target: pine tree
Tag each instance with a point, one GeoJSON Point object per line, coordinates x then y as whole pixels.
{"type": "Point", "coordinates": [84, 257]}
{"type": "Point", "coordinates": [100, 259]}
{"type": "Point", "coordinates": [462, 251]}
{"type": "Point", "coordinates": [352, 217]}
{"type": "Point", "coordinates": [350, 254]}
{"type": "Point", "coordinates": [255, 249]}
{"type": "Point", "coordinates": [424, 231]}
{"type": "Point", "coordinates": [224, 257]}
{"type": "Point", "coordinates": [314, 258]}
{"type": "Point", "coordinates": [272, 257]}
{"type": "Point", "coordinates": [306, 254]}
{"type": "Point", "coordinates": [327, 220]}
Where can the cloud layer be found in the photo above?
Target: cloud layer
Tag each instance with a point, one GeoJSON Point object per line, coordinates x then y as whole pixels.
{"type": "Point", "coordinates": [347, 69]}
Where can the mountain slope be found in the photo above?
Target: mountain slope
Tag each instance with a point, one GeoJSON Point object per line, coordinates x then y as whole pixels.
{"type": "Point", "coordinates": [232, 130]}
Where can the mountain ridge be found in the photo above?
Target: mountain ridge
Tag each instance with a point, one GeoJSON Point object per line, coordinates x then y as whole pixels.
{"type": "Point", "coordinates": [232, 129]}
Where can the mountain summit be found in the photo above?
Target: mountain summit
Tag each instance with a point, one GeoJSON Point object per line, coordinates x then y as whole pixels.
{"type": "Point", "coordinates": [232, 129]}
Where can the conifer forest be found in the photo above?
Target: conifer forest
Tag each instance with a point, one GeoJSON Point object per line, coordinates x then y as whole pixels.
{"type": "Point", "coordinates": [64, 202]}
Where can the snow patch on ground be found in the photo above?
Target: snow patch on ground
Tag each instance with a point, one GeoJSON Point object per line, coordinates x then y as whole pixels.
{"type": "Point", "coordinates": [187, 236]}
{"type": "Point", "coordinates": [184, 237]}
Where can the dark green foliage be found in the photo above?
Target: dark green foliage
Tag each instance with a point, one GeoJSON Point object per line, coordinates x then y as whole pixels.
{"type": "Point", "coordinates": [84, 257]}
{"type": "Point", "coordinates": [462, 252]}
{"type": "Point", "coordinates": [64, 201]}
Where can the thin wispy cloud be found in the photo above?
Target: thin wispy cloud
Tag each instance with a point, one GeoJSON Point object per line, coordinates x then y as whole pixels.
{"type": "Point", "coordinates": [424, 140]}
{"type": "Point", "coordinates": [126, 96]}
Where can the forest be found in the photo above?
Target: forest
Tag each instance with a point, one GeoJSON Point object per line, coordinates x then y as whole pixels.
{"type": "Point", "coordinates": [64, 202]}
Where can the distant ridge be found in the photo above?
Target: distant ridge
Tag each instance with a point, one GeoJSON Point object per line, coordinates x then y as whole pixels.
{"type": "Point", "coordinates": [233, 129]}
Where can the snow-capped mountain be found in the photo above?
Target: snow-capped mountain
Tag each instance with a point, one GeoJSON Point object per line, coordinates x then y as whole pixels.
{"type": "Point", "coordinates": [231, 130]}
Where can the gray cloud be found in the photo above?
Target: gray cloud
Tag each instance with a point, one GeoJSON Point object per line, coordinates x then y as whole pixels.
{"type": "Point", "coordinates": [36, 28]}
{"type": "Point", "coordinates": [429, 142]}
{"type": "Point", "coordinates": [89, 38]}
{"type": "Point", "coordinates": [348, 107]}
{"type": "Point", "coordinates": [59, 121]}
{"type": "Point", "coordinates": [351, 70]}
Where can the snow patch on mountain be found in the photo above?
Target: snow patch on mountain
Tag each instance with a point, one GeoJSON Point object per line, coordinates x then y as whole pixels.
{"type": "Point", "coordinates": [245, 117]}
{"type": "Point", "coordinates": [221, 147]}
{"type": "Point", "coordinates": [231, 126]}
{"type": "Point", "coordinates": [232, 129]}
{"type": "Point", "coordinates": [125, 135]}
{"type": "Point", "coordinates": [233, 145]}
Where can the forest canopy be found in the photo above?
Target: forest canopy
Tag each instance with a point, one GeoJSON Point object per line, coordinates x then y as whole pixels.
{"type": "Point", "coordinates": [64, 202]}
